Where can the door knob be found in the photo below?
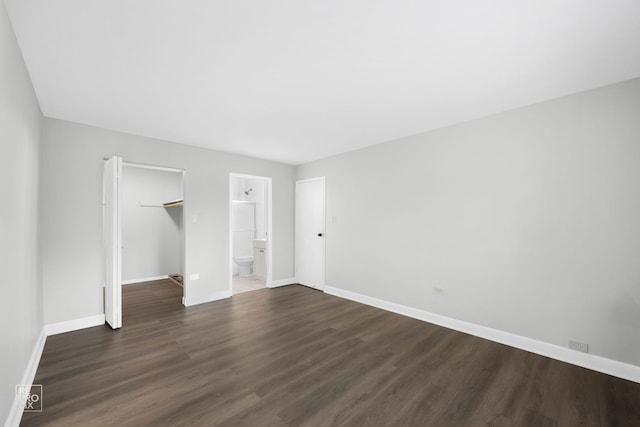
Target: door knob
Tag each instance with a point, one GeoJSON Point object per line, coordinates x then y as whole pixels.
{"type": "Point", "coordinates": [319, 234]}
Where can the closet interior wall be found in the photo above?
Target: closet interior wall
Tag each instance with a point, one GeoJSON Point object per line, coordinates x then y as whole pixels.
{"type": "Point", "coordinates": [151, 234]}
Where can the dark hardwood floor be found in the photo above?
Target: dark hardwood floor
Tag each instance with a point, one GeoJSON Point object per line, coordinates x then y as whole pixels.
{"type": "Point", "coordinates": [295, 356]}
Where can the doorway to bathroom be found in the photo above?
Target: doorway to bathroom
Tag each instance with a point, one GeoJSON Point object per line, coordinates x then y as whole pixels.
{"type": "Point", "coordinates": [249, 232]}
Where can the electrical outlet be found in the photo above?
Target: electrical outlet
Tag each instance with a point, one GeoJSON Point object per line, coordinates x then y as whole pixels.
{"type": "Point", "coordinates": [194, 276]}
{"type": "Point", "coordinates": [438, 291]}
{"type": "Point", "coordinates": [579, 346]}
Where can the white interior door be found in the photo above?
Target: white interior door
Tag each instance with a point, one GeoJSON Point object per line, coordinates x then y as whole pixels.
{"type": "Point", "coordinates": [310, 228]}
{"type": "Point", "coordinates": [113, 241]}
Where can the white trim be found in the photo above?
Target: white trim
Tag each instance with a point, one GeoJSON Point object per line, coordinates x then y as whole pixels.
{"type": "Point", "coordinates": [144, 279]}
{"type": "Point", "coordinates": [589, 361]}
{"type": "Point", "coordinates": [281, 282]}
{"type": "Point", "coordinates": [152, 167]}
{"type": "Point", "coordinates": [74, 325]}
{"type": "Point", "coordinates": [189, 301]}
{"type": "Point", "coordinates": [17, 408]}
{"type": "Point", "coordinates": [183, 234]}
{"type": "Point", "coordinates": [318, 178]}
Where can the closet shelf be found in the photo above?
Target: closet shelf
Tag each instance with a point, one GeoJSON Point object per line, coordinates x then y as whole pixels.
{"type": "Point", "coordinates": [173, 203]}
{"type": "Point", "coordinates": [161, 205]}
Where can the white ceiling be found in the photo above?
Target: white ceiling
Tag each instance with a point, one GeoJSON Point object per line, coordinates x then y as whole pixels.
{"type": "Point", "coordinates": [298, 80]}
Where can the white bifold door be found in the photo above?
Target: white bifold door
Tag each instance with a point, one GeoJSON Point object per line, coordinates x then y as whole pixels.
{"type": "Point", "coordinates": [310, 239]}
{"type": "Point", "coordinates": [112, 199]}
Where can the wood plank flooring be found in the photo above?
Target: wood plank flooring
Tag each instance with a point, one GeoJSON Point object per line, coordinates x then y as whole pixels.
{"type": "Point", "coordinates": [293, 356]}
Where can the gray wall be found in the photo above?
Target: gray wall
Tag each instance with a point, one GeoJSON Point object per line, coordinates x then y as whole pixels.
{"type": "Point", "coordinates": [151, 236]}
{"type": "Point", "coordinates": [20, 244]}
{"type": "Point", "coordinates": [529, 220]}
{"type": "Point", "coordinates": [73, 265]}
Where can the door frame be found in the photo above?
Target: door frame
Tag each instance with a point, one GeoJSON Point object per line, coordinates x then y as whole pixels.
{"type": "Point", "coordinates": [269, 188]}
{"type": "Point", "coordinates": [116, 255]}
{"type": "Point", "coordinates": [322, 285]}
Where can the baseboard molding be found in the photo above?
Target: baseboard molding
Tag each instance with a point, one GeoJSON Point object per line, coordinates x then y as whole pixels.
{"type": "Point", "coordinates": [144, 279]}
{"type": "Point", "coordinates": [189, 301]}
{"type": "Point", "coordinates": [74, 325]}
{"type": "Point", "coordinates": [589, 361]}
{"type": "Point", "coordinates": [281, 282]}
{"type": "Point", "coordinates": [15, 413]}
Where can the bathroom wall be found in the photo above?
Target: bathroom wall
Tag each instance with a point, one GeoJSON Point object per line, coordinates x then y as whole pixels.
{"type": "Point", "coordinates": [527, 220]}
{"type": "Point", "coordinates": [151, 236]}
{"type": "Point", "coordinates": [258, 196]}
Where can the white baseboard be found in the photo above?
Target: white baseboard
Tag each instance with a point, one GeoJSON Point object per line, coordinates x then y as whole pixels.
{"type": "Point", "coordinates": [189, 301]}
{"type": "Point", "coordinates": [15, 413]}
{"type": "Point", "coordinates": [281, 282]}
{"type": "Point", "coordinates": [144, 279]}
{"type": "Point", "coordinates": [74, 325]}
{"type": "Point", "coordinates": [589, 361]}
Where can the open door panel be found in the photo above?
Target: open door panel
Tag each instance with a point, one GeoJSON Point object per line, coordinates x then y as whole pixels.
{"type": "Point", "coordinates": [113, 241]}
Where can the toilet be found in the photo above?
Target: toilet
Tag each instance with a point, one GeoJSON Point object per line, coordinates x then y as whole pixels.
{"type": "Point", "coordinates": [245, 265]}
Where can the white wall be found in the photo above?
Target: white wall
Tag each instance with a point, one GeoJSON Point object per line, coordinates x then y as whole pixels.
{"type": "Point", "coordinates": [529, 220]}
{"type": "Point", "coordinates": [257, 195]}
{"type": "Point", "coordinates": [20, 244]}
{"type": "Point", "coordinates": [151, 236]}
{"type": "Point", "coordinates": [73, 265]}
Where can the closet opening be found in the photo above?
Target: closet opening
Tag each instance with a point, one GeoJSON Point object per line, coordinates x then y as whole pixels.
{"type": "Point", "coordinates": [152, 235]}
{"type": "Point", "coordinates": [249, 232]}
{"type": "Point", "coordinates": [145, 238]}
